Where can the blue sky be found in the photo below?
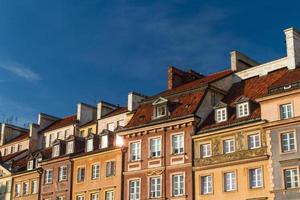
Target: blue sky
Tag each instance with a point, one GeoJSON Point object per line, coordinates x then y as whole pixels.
{"type": "Point", "coordinates": [56, 53]}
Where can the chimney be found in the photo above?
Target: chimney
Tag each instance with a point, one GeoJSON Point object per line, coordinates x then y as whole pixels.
{"type": "Point", "coordinates": [177, 77]}
{"type": "Point", "coordinates": [34, 143]}
{"type": "Point", "coordinates": [292, 38]}
{"type": "Point", "coordinates": [104, 108]}
{"type": "Point", "coordinates": [240, 62]}
{"type": "Point", "coordinates": [45, 120]}
{"type": "Point", "coordinates": [134, 99]}
{"type": "Point", "coordinates": [85, 113]}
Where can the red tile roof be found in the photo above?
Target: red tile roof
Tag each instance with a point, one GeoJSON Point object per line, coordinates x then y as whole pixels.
{"type": "Point", "coordinates": [252, 88]}
{"type": "Point", "coordinates": [18, 138]}
{"type": "Point", "coordinates": [184, 100]}
{"type": "Point", "coordinates": [11, 156]}
{"type": "Point", "coordinates": [61, 123]}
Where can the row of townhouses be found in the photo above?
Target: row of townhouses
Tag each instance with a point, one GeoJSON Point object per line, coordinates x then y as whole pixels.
{"type": "Point", "coordinates": [233, 134]}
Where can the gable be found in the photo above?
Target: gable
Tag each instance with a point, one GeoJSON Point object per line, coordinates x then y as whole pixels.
{"type": "Point", "coordinates": [160, 100]}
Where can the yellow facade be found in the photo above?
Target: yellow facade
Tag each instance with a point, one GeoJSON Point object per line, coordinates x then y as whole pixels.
{"type": "Point", "coordinates": [240, 161]}
{"type": "Point", "coordinates": [87, 128]}
{"type": "Point", "coordinates": [104, 183]}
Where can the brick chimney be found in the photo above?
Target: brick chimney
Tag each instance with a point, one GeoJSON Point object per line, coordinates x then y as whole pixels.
{"type": "Point", "coordinates": [177, 77]}
{"type": "Point", "coordinates": [292, 38]}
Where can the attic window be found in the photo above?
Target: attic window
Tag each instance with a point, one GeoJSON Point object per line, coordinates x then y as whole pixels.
{"type": "Point", "coordinates": [161, 110]}
{"type": "Point", "coordinates": [55, 151]}
{"type": "Point", "coordinates": [70, 147]}
{"type": "Point", "coordinates": [90, 145]}
{"type": "Point", "coordinates": [221, 114]}
{"type": "Point", "coordinates": [243, 109]}
{"type": "Point", "coordinates": [30, 165]}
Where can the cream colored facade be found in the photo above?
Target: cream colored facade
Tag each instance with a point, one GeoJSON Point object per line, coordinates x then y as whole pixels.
{"type": "Point", "coordinates": [241, 161]}
{"type": "Point", "coordinates": [5, 184]}
{"type": "Point", "coordinates": [89, 128]}
{"type": "Point", "coordinates": [14, 147]}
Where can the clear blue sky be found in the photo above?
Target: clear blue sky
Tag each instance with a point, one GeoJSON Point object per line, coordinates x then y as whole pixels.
{"type": "Point", "coordinates": [56, 53]}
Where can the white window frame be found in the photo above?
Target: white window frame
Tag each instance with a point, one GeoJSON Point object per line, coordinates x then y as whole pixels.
{"type": "Point", "coordinates": [30, 165]}
{"type": "Point", "coordinates": [230, 181]}
{"type": "Point", "coordinates": [254, 141]}
{"type": "Point", "coordinates": [155, 147]}
{"type": "Point", "coordinates": [95, 171]}
{"type": "Point", "coordinates": [135, 151]}
{"type": "Point", "coordinates": [109, 195]}
{"type": "Point", "coordinates": [48, 176]}
{"type": "Point", "coordinates": [94, 196]}
{"type": "Point", "coordinates": [177, 143]}
{"type": "Point", "coordinates": [243, 109]}
{"type": "Point", "coordinates": [34, 187]}
{"type": "Point", "coordinates": [228, 145]}
{"type": "Point", "coordinates": [104, 141]}
{"type": "Point", "coordinates": [205, 150]}
{"type": "Point", "coordinates": [289, 140]}
{"type": "Point", "coordinates": [63, 172]}
{"type": "Point", "coordinates": [56, 151]}
{"type": "Point", "coordinates": [160, 110]}
{"type": "Point", "coordinates": [294, 177]}
{"type": "Point", "coordinates": [221, 114]}
{"type": "Point", "coordinates": [80, 174]}
{"type": "Point", "coordinates": [110, 168]}
{"type": "Point", "coordinates": [79, 197]}
{"type": "Point", "coordinates": [155, 187]}
{"type": "Point", "coordinates": [18, 190]}
{"type": "Point", "coordinates": [286, 111]}
{"type": "Point", "coordinates": [25, 188]}
{"type": "Point", "coordinates": [111, 126]}
{"type": "Point", "coordinates": [70, 147]}
{"type": "Point", "coordinates": [256, 178]}
{"type": "Point", "coordinates": [90, 145]}
{"type": "Point", "coordinates": [134, 189]}
{"type": "Point", "coordinates": [178, 186]}
{"type": "Point", "coordinates": [206, 184]}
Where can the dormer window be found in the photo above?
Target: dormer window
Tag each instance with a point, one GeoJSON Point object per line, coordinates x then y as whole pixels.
{"type": "Point", "coordinates": [37, 162]}
{"type": "Point", "coordinates": [221, 114]}
{"type": "Point", "coordinates": [55, 152]}
{"type": "Point", "coordinates": [90, 145]}
{"type": "Point", "coordinates": [70, 147]}
{"type": "Point", "coordinates": [243, 109]}
{"type": "Point", "coordinates": [30, 165]}
{"type": "Point", "coordinates": [104, 141]}
{"type": "Point", "coordinates": [160, 107]}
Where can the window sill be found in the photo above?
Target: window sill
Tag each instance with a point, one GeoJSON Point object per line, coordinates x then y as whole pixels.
{"type": "Point", "coordinates": [288, 152]}
{"type": "Point", "coordinates": [178, 154]}
{"type": "Point", "coordinates": [135, 161]}
{"type": "Point", "coordinates": [154, 157]}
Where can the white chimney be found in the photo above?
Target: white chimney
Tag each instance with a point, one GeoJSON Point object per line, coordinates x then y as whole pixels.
{"type": "Point", "coordinates": [240, 62]}
{"type": "Point", "coordinates": [85, 113]}
{"type": "Point", "coordinates": [292, 37]}
{"type": "Point", "coordinates": [103, 108]}
{"type": "Point", "coordinates": [134, 99]}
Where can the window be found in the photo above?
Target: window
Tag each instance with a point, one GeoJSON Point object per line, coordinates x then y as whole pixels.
{"type": "Point", "coordinates": [228, 146]}
{"type": "Point", "coordinates": [61, 198]}
{"type": "Point", "coordinates": [95, 171]}
{"type": "Point", "coordinates": [34, 187]}
{"type": "Point", "coordinates": [134, 190]}
{"type": "Point", "coordinates": [205, 150]}
{"type": "Point", "coordinates": [135, 151]}
{"type": "Point", "coordinates": [161, 110]}
{"type": "Point", "coordinates": [70, 147]}
{"type": "Point", "coordinates": [8, 187]}
{"type": "Point", "coordinates": [155, 146]}
{"type": "Point", "coordinates": [60, 135]}
{"type": "Point", "coordinates": [37, 162]}
{"type": "Point", "coordinates": [62, 173]}
{"type": "Point", "coordinates": [110, 168]}
{"type": "Point", "coordinates": [291, 178]}
{"type": "Point", "coordinates": [30, 165]}
{"type": "Point", "coordinates": [80, 174]}
{"type": "Point", "coordinates": [104, 141]}
{"type": "Point", "coordinates": [18, 190]}
{"type": "Point", "coordinates": [286, 111]}
{"type": "Point", "coordinates": [177, 185]}
{"type": "Point", "coordinates": [81, 133]}
{"type": "Point", "coordinates": [55, 151]}
{"type": "Point", "coordinates": [95, 196]}
{"type": "Point", "coordinates": [12, 149]}
{"type": "Point", "coordinates": [80, 197]}
{"type": "Point", "coordinates": [90, 130]}
{"type": "Point", "coordinates": [90, 145]}
{"type": "Point", "coordinates": [254, 141]}
{"type": "Point", "coordinates": [255, 176]}
{"type": "Point", "coordinates": [243, 109]}
{"type": "Point", "coordinates": [230, 181]}
{"type": "Point", "coordinates": [25, 188]}
{"type": "Point", "coordinates": [67, 133]}
{"type": "Point", "coordinates": [110, 126]}
{"type": "Point", "coordinates": [221, 114]}
{"type": "Point", "coordinates": [155, 183]}
{"type": "Point", "coordinates": [206, 184]}
{"type": "Point", "coordinates": [19, 147]}
{"type": "Point", "coordinates": [177, 144]}
{"type": "Point", "coordinates": [109, 195]}
{"type": "Point", "coordinates": [48, 176]}
{"type": "Point", "coordinates": [288, 142]}
{"type": "Point", "coordinates": [5, 152]}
